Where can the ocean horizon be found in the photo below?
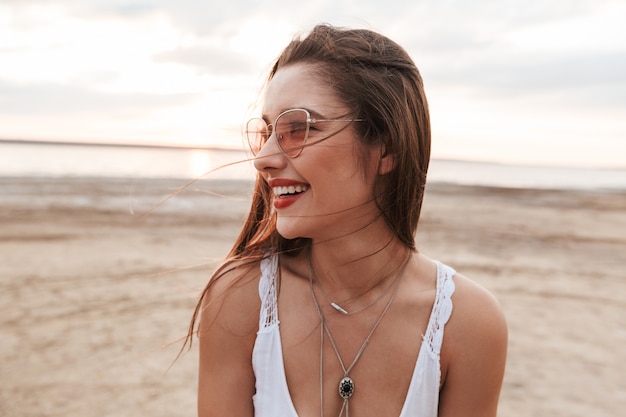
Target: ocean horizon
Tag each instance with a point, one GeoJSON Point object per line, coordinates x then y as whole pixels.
{"type": "Point", "coordinates": [24, 159]}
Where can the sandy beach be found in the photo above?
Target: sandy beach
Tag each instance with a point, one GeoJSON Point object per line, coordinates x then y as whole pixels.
{"type": "Point", "coordinates": [95, 293]}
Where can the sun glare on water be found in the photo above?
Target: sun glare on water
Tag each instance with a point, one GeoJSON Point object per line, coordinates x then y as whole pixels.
{"type": "Point", "coordinates": [199, 163]}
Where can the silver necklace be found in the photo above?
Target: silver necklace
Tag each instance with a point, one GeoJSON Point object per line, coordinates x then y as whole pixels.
{"type": "Point", "coordinates": [346, 385]}
{"type": "Point", "coordinates": [343, 310]}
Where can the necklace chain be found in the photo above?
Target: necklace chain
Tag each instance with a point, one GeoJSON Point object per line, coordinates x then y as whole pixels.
{"type": "Point", "coordinates": [341, 309]}
{"type": "Point", "coordinates": [346, 385]}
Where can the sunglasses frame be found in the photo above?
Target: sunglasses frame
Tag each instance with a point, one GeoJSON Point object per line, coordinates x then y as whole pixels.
{"type": "Point", "coordinates": [271, 132]}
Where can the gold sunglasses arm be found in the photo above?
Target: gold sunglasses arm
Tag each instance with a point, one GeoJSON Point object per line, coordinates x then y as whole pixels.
{"type": "Point", "coordinates": [335, 120]}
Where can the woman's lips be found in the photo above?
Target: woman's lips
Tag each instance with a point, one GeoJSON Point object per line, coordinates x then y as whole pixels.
{"type": "Point", "coordinates": [286, 192]}
{"type": "Point", "coordinates": [283, 201]}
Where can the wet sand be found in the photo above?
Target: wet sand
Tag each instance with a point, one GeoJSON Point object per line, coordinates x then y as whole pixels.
{"type": "Point", "coordinates": [94, 294]}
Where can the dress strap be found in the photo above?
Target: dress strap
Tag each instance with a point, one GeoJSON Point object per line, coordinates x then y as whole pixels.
{"type": "Point", "coordinates": [442, 309]}
{"type": "Point", "coordinates": [268, 293]}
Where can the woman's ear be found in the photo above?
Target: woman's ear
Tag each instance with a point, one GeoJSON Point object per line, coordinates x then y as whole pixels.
{"type": "Point", "coordinates": [386, 163]}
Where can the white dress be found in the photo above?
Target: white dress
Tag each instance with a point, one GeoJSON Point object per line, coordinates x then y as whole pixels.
{"type": "Point", "coordinates": [272, 398]}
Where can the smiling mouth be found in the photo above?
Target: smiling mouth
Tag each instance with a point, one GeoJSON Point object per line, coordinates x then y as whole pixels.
{"type": "Point", "coordinates": [288, 191]}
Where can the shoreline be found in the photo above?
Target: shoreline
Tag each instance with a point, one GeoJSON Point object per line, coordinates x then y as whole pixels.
{"type": "Point", "coordinates": [435, 184]}
{"type": "Point", "coordinates": [93, 291]}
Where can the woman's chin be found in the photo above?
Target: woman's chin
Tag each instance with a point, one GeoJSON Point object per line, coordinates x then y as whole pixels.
{"type": "Point", "coordinates": [289, 231]}
{"type": "Point", "coordinates": [289, 234]}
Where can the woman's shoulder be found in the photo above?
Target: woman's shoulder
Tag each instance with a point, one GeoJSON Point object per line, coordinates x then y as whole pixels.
{"type": "Point", "coordinates": [473, 353]}
{"type": "Point", "coordinates": [229, 318]}
{"type": "Point", "coordinates": [235, 272]}
{"type": "Point", "coordinates": [475, 306]}
{"type": "Point", "coordinates": [477, 329]}
{"type": "Point", "coordinates": [232, 295]}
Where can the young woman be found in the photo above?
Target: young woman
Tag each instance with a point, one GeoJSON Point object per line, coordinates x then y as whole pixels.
{"type": "Point", "coordinates": [325, 307]}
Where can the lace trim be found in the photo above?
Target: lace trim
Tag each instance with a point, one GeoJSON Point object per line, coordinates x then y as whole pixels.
{"type": "Point", "coordinates": [441, 312]}
{"type": "Point", "coordinates": [442, 309]}
{"type": "Point", "coordinates": [267, 292]}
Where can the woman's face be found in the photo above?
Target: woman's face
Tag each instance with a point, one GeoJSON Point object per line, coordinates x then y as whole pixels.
{"type": "Point", "coordinates": [325, 191]}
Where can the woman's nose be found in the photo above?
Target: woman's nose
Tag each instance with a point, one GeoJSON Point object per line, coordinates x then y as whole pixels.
{"type": "Point", "coordinates": [270, 156]}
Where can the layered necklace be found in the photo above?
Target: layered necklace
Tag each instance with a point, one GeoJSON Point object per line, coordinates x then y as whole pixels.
{"type": "Point", "coordinates": [343, 310]}
{"type": "Point", "coordinates": [346, 384]}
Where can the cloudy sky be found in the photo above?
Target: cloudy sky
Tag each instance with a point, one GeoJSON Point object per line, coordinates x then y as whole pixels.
{"type": "Point", "coordinates": [534, 81]}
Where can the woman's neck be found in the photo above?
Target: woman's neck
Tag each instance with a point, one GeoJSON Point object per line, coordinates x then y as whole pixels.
{"type": "Point", "coordinates": [358, 262]}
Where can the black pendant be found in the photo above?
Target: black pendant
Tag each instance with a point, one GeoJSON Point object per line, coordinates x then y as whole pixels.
{"type": "Point", "coordinates": [346, 387]}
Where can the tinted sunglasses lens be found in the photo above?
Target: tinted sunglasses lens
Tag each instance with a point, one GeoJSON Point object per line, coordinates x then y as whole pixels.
{"type": "Point", "coordinates": [292, 128]}
{"type": "Point", "coordinates": [256, 133]}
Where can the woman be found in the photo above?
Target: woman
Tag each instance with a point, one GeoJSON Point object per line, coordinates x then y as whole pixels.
{"type": "Point", "coordinates": [324, 306]}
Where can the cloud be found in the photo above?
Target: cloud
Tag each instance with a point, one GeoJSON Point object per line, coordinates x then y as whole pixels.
{"type": "Point", "coordinates": [505, 55]}
{"type": "Point", "coordinates": [519, 74]}
{"type": "Point", "coordinates": [208, 60]}
{"type": "Point", "coordinates": [191, 16]}
{"type": "Point", "coordinates": [72, 99]}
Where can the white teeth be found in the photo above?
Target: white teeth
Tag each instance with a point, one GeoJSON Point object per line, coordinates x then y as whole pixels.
{"type": "Point", "coordinates": [291, 189]}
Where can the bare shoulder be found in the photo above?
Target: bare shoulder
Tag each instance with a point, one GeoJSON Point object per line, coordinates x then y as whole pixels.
{"type": "Point", "coordinates": [232, 297]}
{"type": "Point", "coordinates": [229, 318]}
{"type": "Point", "coordinates": [473, 354]}
{"type": "Point", "coordinates": [475, 311]}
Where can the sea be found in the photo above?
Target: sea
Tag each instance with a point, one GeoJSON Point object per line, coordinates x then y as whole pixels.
{"type": "Point", "coordinates": [27, 159]}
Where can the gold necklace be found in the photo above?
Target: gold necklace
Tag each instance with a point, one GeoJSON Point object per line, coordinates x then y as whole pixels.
{"type": "Point", "coordinates": [346, 384]}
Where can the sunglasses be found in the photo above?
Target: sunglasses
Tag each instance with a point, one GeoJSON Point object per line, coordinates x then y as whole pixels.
{"type": "Point", "coordinates": [291, 128]}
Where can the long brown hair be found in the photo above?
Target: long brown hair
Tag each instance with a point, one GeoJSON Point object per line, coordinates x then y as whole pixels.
{"type": "Point", "coordinates": [377, 79]}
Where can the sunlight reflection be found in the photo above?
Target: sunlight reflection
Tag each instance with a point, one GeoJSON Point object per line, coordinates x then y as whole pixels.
{"type": "Point", "coordinates": [199, 163]}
